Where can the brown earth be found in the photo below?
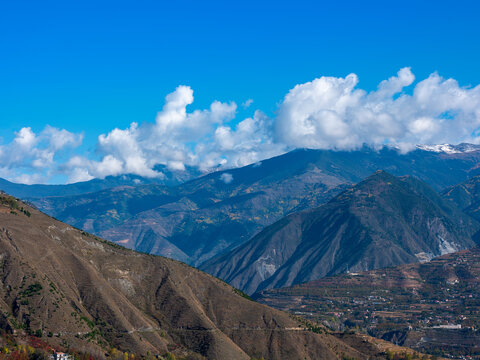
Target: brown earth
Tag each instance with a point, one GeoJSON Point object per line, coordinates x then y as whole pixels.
{"type": "Point", "coordinates": [83, 292]}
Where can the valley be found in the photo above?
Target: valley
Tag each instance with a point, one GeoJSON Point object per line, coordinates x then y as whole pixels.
{"type": "Point", "coordinates": [432, 307]}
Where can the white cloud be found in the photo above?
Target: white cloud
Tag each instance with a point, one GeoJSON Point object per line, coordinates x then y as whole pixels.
{"type": "Point", "coordinates": [176, 139]}
{"type": "Point", "coordinates": [31, 157]}
{"type": "Point", "coordinates": [326, 113]}
{"type": "Point", "coordinates": [25, 138]}
{"type": "Point", "coordinates": [250, 141]}
{"type": "Point", "coordinates": [247, 103]}
{"type": "Point", "coordinates": [227, 178]}
{"type": "Point", "coordinates": [176, 165]}
{"type": "Point", "coordinates": [61, 138]}
{"type": "Point", "coordinates": [331, 113]}
{"type": "Point", "coordinates": [394, 85]}
{"type": "Point", "coordinates": [79, 174]}
{"type": "Point", "coordinates": [28, 178]}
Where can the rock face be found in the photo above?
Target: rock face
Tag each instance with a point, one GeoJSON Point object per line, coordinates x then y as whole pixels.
{"type": "Point", "coordinates": [212, 214]}
{"type": "Point", "coordinates": [382, 221]}
{"type": "Point", "coordinates": [87, 293]}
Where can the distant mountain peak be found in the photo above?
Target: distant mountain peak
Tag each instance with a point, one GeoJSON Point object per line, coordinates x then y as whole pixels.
{"type": "Point", "coordinates": [377, 180]}
{"type": "Point", "coordinates": [450, 149]}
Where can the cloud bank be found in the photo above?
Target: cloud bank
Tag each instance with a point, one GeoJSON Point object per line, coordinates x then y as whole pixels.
{"type": "Point", "coordinates": [31, 157]}
{"type": "Point", "coordinates": [326, 113]}
{"type": "Point", "coordinates": [332, 113]}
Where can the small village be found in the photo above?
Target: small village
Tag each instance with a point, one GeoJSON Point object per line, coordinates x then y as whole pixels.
{"type": "Point", "coordinates": [437, 305]}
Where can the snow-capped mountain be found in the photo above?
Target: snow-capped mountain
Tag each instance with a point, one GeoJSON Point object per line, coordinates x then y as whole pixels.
{"type": "Point", "coordinates": [450, 149]}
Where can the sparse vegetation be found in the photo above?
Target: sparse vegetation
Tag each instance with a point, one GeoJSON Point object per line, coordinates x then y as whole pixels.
{"type": "Point", "coordinates": [13, 204]}
{"type": "Point", "coordinates": [399, 304]}
{"type": "Point", "coordinates": [242, 294]}
{"type": "Point", "coordinates": [32, 290]}
{"type": "Point", "coordinates": [170, 356]}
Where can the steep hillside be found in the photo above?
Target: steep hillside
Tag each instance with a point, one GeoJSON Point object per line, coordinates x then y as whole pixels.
{"type": "Point", "coordinates": [466, 196]}
{"type": "Point", "coordinates": [101, 210]}
{"type": "Point", "coordinates": [380, 222]}
{"type": "Point", "coordinates": [83, 292]}
{"type": "Point", "coordinates": [409, 305]}
{"type": "Point", "coordinates": [219, 211]}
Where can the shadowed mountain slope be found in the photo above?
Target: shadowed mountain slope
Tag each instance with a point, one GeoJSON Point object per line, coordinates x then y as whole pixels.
{"type": "Point", "coordinates": [380, 222]}
{"type": "Point", "coordinates": [466, 196]}
{"type": "Point", "coordinates": [89, 293]}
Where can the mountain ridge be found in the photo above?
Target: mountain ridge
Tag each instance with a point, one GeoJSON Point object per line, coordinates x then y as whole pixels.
{"type": "Point", "coordinates": [381, 221]}
{"type": "Point", "coordinates": [217, 212]}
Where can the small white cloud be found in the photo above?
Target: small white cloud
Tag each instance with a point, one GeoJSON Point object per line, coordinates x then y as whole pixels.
{"type": "Point", "coordinates": [28, 179]}
{"type": "Point", "coordinates": [79, 174]}
{"type": "Point", "coordinates": [227, 178]}
{"type": "Point", "coordinates": [176, 165]}
{"type": "Point", "coordinates": [247, 103]}
{"type": "Point", "coordinates": [394, 85]}
{"type": "Point", "coordinates": [174, 112]}
{"type": "Point", "coordinates": [25, 138]}
{"type": "Point", "coordinates": [61, 138]}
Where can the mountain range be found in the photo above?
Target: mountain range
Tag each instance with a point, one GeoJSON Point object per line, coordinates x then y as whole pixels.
{"type": "Point", "coordinates": [204, 217]}
{"type": "Point", "coordinates": [166, 177]}
{"type": "Point", "coordinates": [301, 216]}
{"type": "Point", "coordinates": [382, 221]}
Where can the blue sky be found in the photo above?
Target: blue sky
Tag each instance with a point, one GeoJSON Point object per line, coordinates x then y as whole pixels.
{"type": "Point", "coordinates": [92, 66]}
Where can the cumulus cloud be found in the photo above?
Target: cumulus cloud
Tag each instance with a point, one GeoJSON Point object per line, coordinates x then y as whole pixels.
{"type": "Point", "coordinates": [31, 157]}
{"type": "Point", "coordinates": [332, 113]}
{"type": "Point", "coordinates": [177, 138]}
{"type": "Point", "coordinates": [325, 113]}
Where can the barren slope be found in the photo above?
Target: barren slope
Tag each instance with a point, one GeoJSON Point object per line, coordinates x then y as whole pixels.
{"type": "Point", "coordinates": [86, 292]}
